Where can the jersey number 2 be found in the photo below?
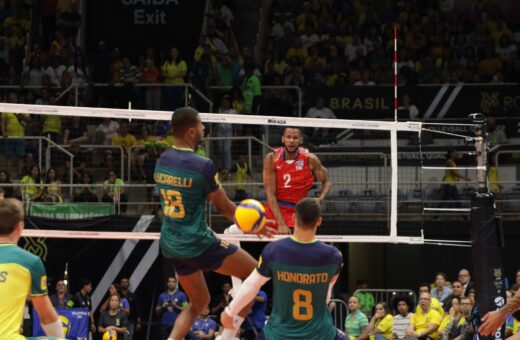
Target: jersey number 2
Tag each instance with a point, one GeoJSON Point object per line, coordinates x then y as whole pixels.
{"type": "Point", "coordinates": [173, 206]}
{"type": "Point", "coordinates": [287, 180]}
{"type": "Point", "coordinates": [302, 301]}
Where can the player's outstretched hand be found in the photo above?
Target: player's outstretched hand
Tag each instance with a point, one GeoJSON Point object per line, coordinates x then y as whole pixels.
{"type": "Point", "coordinates": [283, 229]}
{"type": "Point", "coordinates": [267, 230]}
{"type": "Point", "coordinates": [226, 320]}
{"type": "Point", "coordinates": [491, 322]}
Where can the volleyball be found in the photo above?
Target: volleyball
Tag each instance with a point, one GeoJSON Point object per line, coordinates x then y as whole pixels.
{"type": "Point", "coordinates": [110, 335]}
{"type": "Point", "coordinates": [250, 216]}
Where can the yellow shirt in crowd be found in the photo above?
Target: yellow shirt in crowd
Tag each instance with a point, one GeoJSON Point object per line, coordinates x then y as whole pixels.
{"type": "Point", "coordinates": [125, 141]}
{"type": "Point", "coordinates": [421, 321]}
{"type": "Point", "coordinates": [172, 69]}
{"type": "Point", "coordinates": [385, 327]}
{"type": "Point", "coordinates": [13, 126]}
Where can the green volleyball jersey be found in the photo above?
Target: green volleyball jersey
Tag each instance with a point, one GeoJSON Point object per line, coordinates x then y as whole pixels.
{"type": "Point", "coordinates": [184, 180]}
{"type": "Point", "coordinates": [301, 274]}
{"type": "Point", "coordinates": [22, 274]}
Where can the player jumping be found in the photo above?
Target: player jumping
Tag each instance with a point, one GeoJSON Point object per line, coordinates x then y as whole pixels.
{"type": "Point", "coordinates": [21, 274]}
{"type": "Point", "coordinates": [185, 180]}
{"type": "Point", "coordinates": [289, 172]}
{"type": "Point", "coordinates": [303, 271]}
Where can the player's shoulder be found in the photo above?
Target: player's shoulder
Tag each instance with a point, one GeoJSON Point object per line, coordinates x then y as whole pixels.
{"type": "Point", "coordinates": [16, 255]}
{"type": "Point", "coordinates": [183, 159]}
{"type": "Point", "coordinates": [328, 251]}
{"type": "Point", "coordinates": [303, 151]}
{"type": "Point", "coordinates": [276, 154]}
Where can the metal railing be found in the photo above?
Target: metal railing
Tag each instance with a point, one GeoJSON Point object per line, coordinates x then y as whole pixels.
{"type": "Point", "coordinates": [339, 313]}
{"type": "Point", "coordinates": [335, 208]}
{"type": "Point", "coordinates": [118, 147]}
{"type": "Point", "coordinates": [386, 295]}
{"type": "Point", "coordinates": [187, 87]}
{"type": "Point", "coordinates": [100, 189]}
{"type": "Point", "coordinates": [209, 150]}
{"type": "Point", "coordinates": [50, 144]}
{"type": "Point", "coordinates": [273, 87]}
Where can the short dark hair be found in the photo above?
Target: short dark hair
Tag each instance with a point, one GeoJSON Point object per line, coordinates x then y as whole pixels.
{"type": "Point", "coordinates": [307, 213]}
{"type": "Point", "coordinates": [84, 282]}
{"type": "Point", "coordinates": [183, 119]}
{"type": "Point", "coordinates": [464, 298]}
{"type": "Point", "coordinates": [515, 287]}
{"type": "Point", "coordinates": [442, 274]}
{"type": "Point", "coordinates": [425, 285]}
{"type": "Point", "coordinates": [291, 127]}
{"type": "Point", "coordinates": [11, 213]}
{"type": "Point", "coordinates": [405, 298]}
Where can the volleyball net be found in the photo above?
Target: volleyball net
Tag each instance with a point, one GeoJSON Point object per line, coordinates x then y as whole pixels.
{"type": "Point", "coordinates": [382, 183]}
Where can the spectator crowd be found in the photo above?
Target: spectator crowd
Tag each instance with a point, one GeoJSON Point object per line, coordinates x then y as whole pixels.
{"type": "Point", "coordinates": [442, 310]}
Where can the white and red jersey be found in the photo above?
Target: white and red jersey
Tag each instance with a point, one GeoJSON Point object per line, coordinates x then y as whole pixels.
{"type": "Point", "coordinates": [294, 178]}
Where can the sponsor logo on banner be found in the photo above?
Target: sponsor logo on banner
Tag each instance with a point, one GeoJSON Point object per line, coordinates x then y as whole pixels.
{"type": "Point", "coordinates": [276, 121]}
{"type": "Point", "coordinates": [499, 301]}
{"type": "Point", "coordinates": [36, 246]}
{"type": "Point", "coordinates": [489, 101]}
{"type": "Point", "coordinates": [65, 324]}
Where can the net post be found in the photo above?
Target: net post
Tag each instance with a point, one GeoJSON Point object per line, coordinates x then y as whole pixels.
{"type": "Point", "coordinates": [486, 235]}
{"type": "Point", "coordinates": [481, 150]}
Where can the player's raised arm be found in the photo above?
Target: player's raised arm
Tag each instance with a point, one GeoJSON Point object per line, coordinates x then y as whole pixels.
{"type": "Point", "coordinates": [321, 174]}
{"type": "Point", "coordinates": [269, 177]}
{"type": "Point", "coordinates": [224, 205]}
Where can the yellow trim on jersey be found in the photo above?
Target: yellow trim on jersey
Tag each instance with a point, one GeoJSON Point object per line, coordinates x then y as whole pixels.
{"type": "Point", "coordinates": [185, 149]}
{"type": "Point", "coordinates": [301, 242]}
{"type": "Point", "coordinates": [7, 244]}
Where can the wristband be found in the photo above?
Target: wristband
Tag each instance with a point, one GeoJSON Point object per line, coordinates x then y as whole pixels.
{"type": "Point", "coordinates": [54, 329]}
{"type": "Point", "coordinates": [228, 311]}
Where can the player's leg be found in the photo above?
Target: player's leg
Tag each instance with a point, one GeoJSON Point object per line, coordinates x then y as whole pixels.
{"type": "Point", "coordinates": [289, 216]}
{"type": "Point", "coordinates": [195, 287]}
{"type": "Point", "coordinates": [239, 264]}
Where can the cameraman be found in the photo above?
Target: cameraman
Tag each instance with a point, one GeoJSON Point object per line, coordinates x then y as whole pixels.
{"type": "Point", "coordinates": [169, 306]}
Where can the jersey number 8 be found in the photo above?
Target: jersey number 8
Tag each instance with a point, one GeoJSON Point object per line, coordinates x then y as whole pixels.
{"type": "Point", "coordinates": [302, 300]}
{"type": "Point", "coordinates": [173, 206]}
